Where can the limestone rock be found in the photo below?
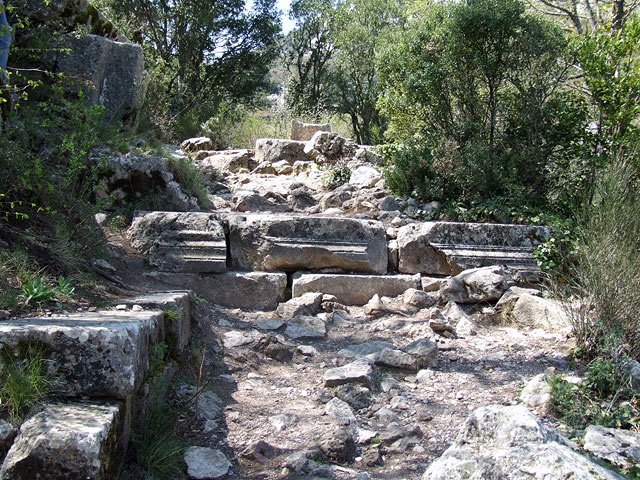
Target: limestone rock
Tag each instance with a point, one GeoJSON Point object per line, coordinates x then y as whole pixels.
{"type": "Point", "coordinates": [417, 298]}
{"type": "Point", "coordinates": [246, 201]}
{"type": "Point", "coordinates": [113, 70]}
{"type": "Point", "coordinates": [273, 150]}
{"type": "Point", "coordinates": [357, 396]}
{"type": "Point", "coordinates": [271, 347]}
{"type": "Point", "coordinates": [509, 443]}
{"type": "Point", "coordinates": [304, 131]}
{"type": "Point", "coordinates": [340, 411]}
{"type": "Point", "coordinates": [205, 463]}
{"type": "Point", "coordinates": [278, 242]}
{"type": "Point", "coordinates": [91, 353]}
{"type": "Point", "coordinates": [447, 248]}
{"type": "Point", "coordinates": [395, 359]}
{"type": "Point", "coordinates": [537, 391]}
{"type": "Point", "coordinates": [7, 434]}
{"type": "Point", "coordinates": [190, 242]}
{"type": "Point", "coordinates": [512, 294]}
{"type": "Point", "coordinates": [283, 421]}
{"type": "Point", "coordinates": [537, 312]}
{"type": "Point", "coordinates": [425, 352]}
{"type": "Point", "coordinates": [366, 348]}
{"type": "Point", "coordinates": [228, 161]}
{"type": "Point", "coordinates": [196, 144]}
{"type": "Point", "coordinates": [307, 304]}
{"type": "Point", "coordinates": [76, 440]}
{"type": "Point", "coordinates": [301, 199]}
{"type": "Point", "coordinates": [353, 289]}
{"type": "Point", "coordinates": [259, 290]}
{"type": "Point", "coordinates": [431, 284]}
{"type": "Point", "coordinates": [464, 326]}
{"type": "Point", "coordinates": [338, 446]}
{"type": "Point", "coordinates": [329, 147]}
{"type": "Point", "coordinates": [360, 371]}
{"type": "Point", "coordinates": [306, 327]}
{"type": "Point", "coordinates": [476, 285]}
{"type": "Point", "coordinates": [236, 338]}
{"type": "Point", "coordinates": [620, 447]}
{"type": "Point", "coordinates": [365, 176]}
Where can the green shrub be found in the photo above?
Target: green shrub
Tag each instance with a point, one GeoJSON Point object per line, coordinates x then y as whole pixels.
{"type": "Point", "coordinates": [190, 179]}
{"type": "Point", "coordinates": [37, 292]}
{"type": "Point", "coordinates": [23, 382]}
{"type": "Point", "coordinates": [336, 176]}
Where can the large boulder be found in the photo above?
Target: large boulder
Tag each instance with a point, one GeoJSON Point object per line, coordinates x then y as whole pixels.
{"type": "Point", "coordinates": [620, 447]}
{"type": "Point", "coordinates": [279, 242]}
{"type": "Point", "coordinates": [228, 161]}
{"type": "Point", "coordinates": [273, 150]}
{"type": "Point", "coordinates": [477, 285]}
{"type": "Point", "coordinates": [112, 70]}
{"type": "Point", "coordinates": [68, 441]}
{"type": "Point", "coordinates": [101, 354]}
{"type": "Point", "coordinates": [447, 248]}
{"type": "Point", "coordinates": [509, 443]}
{"type": "Point", "coordinates": [531, 310]}
{"type": "Point", "coordinates": [353, 289]}
{"type": "Point", "coordinates": [190, 242]}
{"type": "Point", "coordinates": [329, 147]}
{"type": "Point", "coordinates": [305, 131]}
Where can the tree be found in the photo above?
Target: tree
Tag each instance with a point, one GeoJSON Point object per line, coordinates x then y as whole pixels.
{"type": "Point", "coordinates": [585, 16]}
{"type": "Point", "coordinates": [200, 52]}
{"type": "Point", "coordinates": [477, 82]}
{"type": "Point", "coordinates": [360, 27]}
{"type": "Point", "coordinates": [307, 52]}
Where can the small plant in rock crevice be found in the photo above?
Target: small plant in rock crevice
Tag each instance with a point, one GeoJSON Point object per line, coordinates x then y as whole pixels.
{"type": "Point", "coordinates": [337, 176]}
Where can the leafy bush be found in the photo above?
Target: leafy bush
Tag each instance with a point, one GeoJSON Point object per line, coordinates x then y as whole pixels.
{"type": "Point", "coordinates": [336, 176]}
{"type": "Point", "coordinates": [35, 291]}
{"type": "Point", "coordinates": [605, 398]}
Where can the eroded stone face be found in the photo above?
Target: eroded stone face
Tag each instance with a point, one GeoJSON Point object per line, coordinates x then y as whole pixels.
{"type": "Point", "coordinates": [68, 441]}
{"type": "Point", "coordinates": [275, 149]}
{"type": "Point", "coordinates": [276, 242]}
{"type": "Point", "coordinates": [447, 248]}
{"type": "Point", "coordinates": [191, 242]}
{"type": "Point", "coordinates": [353, 289]}
{"type": "Point", "coordinates": [305, 131]}
{"type": "Point", "coordinates": [95, 354]}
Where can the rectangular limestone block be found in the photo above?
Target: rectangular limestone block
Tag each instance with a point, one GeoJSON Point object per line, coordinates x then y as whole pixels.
{"type": "Point", "coordinates": [177, 308]}
{"type": "Point", "coordinates": [69, 441]}
{"type": "Point", "coordinates": [353, 289]}
{"type": "Point", "coordinates": [101, 354]}
{"type": "Point", "coordinates": [275, 149]}
{"type": "Point", "coordinates": [448, 248]}
{"type": "Point", "coordinates": [189, 242]}
{"type": "Point", "coordinates": [286, 242]}
{"type": "Point", "coordinates": [259, 290]}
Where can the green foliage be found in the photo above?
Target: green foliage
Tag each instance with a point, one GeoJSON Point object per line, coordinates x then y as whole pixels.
{"type": "Point", "coordinates": [605, 398]}
{"type": "Point", "coordinates": [23, 381]}
{"type": "Point", "coordinates": [37, 292]}
{"type": "Point", "coordinates": [471, 90]}
{"type": "Point", "coordinates": [190, 179]}
{"type": "Point", "coordinates": [336, 176]}
{"type": "Point", "coordinates": [558, 252]}
{"type": "Point", "coordinates": [65, 286]}
{"type": "Point", "coordinates": [604, 275]}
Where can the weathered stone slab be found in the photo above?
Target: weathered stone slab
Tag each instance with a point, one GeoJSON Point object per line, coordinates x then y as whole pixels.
{"type": "Point", "coordinates": [228, 160]}
{"type": "Point", "coordinates": [361, 371]}
{"type": "Point", "coordinates": [353, 289]}
{"type": "Point", "coordinates": [620, 447]}
{"type": "Point", "coordinates": [307, 304]}
{"type": "Point", "coordinates": [68, 441]}
{"type": "Point", "coordinates": [304, 131]}
{"type": "Point", "coordinates": [95, 353]}
{"type": "Point", "coordinates": [511, 443]}
{"type": "Point", "coordinates": [275, 149]}
{"type": "Point", "coordinates": [258, 290]}
{"type": "Point", "coordinates": [283, 242]}
{"type": "Point", "coordinates": [190, 242]}
{"type": "Point", "coordinates": [447, 248]}
{"type": "Point", "coordinates": [485, 284]}
{"type": "Point", "coordinates": [177, 308]}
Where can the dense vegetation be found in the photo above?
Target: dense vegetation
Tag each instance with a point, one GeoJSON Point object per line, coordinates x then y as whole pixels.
{"type": "Point", "coordinates": [500, 110]}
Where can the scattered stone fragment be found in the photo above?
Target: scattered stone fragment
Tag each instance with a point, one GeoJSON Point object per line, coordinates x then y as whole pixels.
{"type": "Point", "coordinates": [510, 443]}
{"type": "Point", "coordinates": [307, 304]}
{"type": "Point", "coordinates": [236, 338]}
{"type": "Point", "coordinates": [272, 348]}
{"type": "Point", "coordinates": [388, 415]}
{"type": "Point", "coordinates": [261, 451]}
{"type": "Point", "coordinates": [464, 326]}
{"type": "Point", "coordinates": [307, 350]}
{"type": "Point", "coordinates": [364, 436]}
{"type": "Point", "coordinates": [357, 396]}
{"type": "Point", "coordinates": [537, 312]}
{"type": "Point", "coordinates": [338, 446]}
{"type": "Point", "coordinates": [360, 371]}
{"type": "Point", "coordinates": [366, 348]}
{"type": "Point", "coordinates": [283, 421]}
{"type": "Point", "coordinates": [372, 457]}
{"type": "Point", "coordinates": [374, 305]}
{"type": "Point", "coordinates": [439, 323]}
{"type": "Point", "coordinates": [425, 352]}
{"type": "Point", "coordinates": [205, 463]}
{"type": "Point", "coordinates": [632, 368]}
{"type": "Point", "coordinates": [431, 284]}
{"type": "Point", "coordinates": [306, 327]}
{"type": "Point", "coordinates": [340, 411]}
{"type": "Point", "coordinates": [417, 298]}
{"type": "Point", "coordinates": [7, 434]}
{"type": "Point", "coordinates": [395, 432]}
{"type": "Point", "coordinates": [209, 405]}
{"type": "Point", "coordinates": [537, 391]}
{"type": "Point", "coordinates": [395, 359]}
{"type": "Point", "coordinates": [620, 447]}
{"type": "Point", "coordinates": [269, 323]}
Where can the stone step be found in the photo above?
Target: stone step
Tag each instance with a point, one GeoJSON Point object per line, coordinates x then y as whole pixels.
{"type": "Point", "coordinates": [447, 248]}
{"type": "Point", "coordinates": [99, 354]}
{"type": "Point", "coordinates": [192, 242]}
{"type": "Point", "coordinates": [353, 289]}
{"type": "Point", "coordinates": [259, 290]}
{"type": "Point", "coordinates": [69, 441]}
{"type": "Point", "coordinates": [286, 242]}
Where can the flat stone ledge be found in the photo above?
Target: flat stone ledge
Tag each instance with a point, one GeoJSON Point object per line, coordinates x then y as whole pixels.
{"type": "Point", "coordinates": [101, 354]}
{"type": "Point", "coordinates": [259, 290]}
{"type": "Point", "coordinates": [68, 441]}
{"type": "Point", "coordinates": [353, 289]}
